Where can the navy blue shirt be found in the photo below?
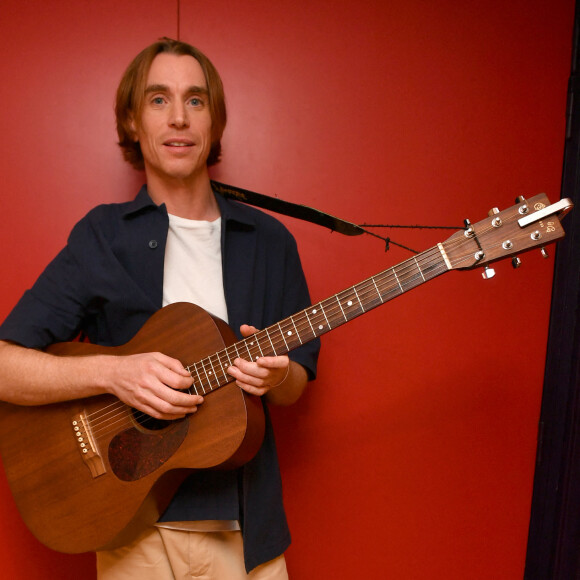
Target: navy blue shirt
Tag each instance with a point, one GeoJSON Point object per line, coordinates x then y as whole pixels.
{"type": "Point", "coordinates": [108, 281]}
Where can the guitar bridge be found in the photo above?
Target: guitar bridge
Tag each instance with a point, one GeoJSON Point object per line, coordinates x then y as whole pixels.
{"type": "Point", "coordinates": [86, 445]}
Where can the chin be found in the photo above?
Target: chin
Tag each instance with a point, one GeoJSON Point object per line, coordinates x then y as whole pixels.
{"type": "Point", "coordinates": [184, 173]}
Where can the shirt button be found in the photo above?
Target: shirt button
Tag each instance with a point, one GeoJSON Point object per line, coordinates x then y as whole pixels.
{"type": "Point", "coordinates": [153, 244]}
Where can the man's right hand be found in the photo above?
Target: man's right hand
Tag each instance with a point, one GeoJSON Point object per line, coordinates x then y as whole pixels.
{"type": "Point", "coordinates": [152, 383]}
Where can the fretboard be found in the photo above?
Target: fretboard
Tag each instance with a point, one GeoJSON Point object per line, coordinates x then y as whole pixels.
{"type": "Point", "coordinates": [211, 373]}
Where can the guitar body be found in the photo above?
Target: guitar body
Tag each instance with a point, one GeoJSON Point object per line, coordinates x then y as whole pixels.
{"type": "Point", "coordinates": [89, 474]}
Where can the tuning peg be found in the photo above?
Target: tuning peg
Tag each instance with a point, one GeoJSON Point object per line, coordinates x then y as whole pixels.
{"type": "Point", "coordinates": [544, 253]}
{"type": "Point", "coordinates": [469, 231]}
{"type": "Point", "coordinates": [488, 273]}
{"type": "Point", "coordinates": [493, 211]}
{"type": "Point", "coordinates": [516, 262]}
{"type": "Point", "coordinates": [523, 209]}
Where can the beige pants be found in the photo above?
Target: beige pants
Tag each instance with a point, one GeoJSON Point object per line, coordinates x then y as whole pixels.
{"type": "Point", "coordinates": [165, 554]}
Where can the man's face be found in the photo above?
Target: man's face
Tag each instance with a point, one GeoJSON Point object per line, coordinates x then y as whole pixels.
{"type": "Point", "coordinates": [174, 129]}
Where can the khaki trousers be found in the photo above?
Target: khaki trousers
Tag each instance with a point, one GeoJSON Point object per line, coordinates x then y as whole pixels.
{"type": "Point", "coordinates": [166, 554]}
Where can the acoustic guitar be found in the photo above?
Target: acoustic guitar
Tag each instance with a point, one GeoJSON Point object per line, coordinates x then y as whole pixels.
{"type": "Point", "coordinates": [89, 474]}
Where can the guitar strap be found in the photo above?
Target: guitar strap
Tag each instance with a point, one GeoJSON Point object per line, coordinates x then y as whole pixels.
{"type": "Point", "coordinates": [301, 212]}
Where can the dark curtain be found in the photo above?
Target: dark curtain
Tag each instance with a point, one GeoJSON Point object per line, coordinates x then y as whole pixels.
{"type": "Point", "coordinates": [554, 537]}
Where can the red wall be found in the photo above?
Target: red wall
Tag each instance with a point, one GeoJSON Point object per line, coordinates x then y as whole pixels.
{"type": "Point", "coordinates": [412, 456]}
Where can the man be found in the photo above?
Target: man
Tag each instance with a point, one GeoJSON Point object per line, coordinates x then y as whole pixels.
{"type": "Point", "coordinates": [176, 241]}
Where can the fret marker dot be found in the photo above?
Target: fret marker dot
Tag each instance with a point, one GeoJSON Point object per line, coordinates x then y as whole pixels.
{"type": "Point", "coordinates": [314, 311]}
{"type": "Point", "coordinates": [349, 303]}
{"type": "Point", "coordinates": [320, 327]}
{"type": "Point", "coordinates": [289, 333]}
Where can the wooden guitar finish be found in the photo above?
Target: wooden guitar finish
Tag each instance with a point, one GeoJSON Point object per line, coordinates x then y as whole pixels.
{"type": "Point", "coordinates": [90, 474]}
{"type": "Point", "coordinates": [74, 503]}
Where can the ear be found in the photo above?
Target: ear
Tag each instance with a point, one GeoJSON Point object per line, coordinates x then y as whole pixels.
{"type": "Point", "coordinates": [133, 128]}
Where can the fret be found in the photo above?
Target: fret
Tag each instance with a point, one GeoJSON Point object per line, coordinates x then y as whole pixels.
{"type": "Point", "coordinates": [296, 330]}
{"type": "Point", "coordinates": [245, 347]}
{"type": "Point", "coordinates": [309, 322]}
{"type": "Point", "coordinates": [235, 347]}
{"type": "Point", "coordinates": [357, 297]}
{"type": "Point", "coordinates": [347, 305]}
{"type": "Point", "coordinates": [408, 276]}
{"type": "Point", "coordinates": [245, 342]}
{"type": "Point", "coordinates": [305, 327]}
{"type": "Point", "coordinates": [257, 342]}
{"type": "Point", "coordinates": [325, 318]}
{"type": "Point", "coordinates": [419, 268]}
{"type": "Point", "coordinates": [225, 352]}
{"type": "Point", "coordinates": [198, 378]}
{"type": "Point", "coordinates": [388, 289]}
{"type": "Point", "coordinates": [283, 337]}
{"type": "Point", "coordinates": [398, 282]}
{"type": "Point", "coordinates": [289, 333]}
{"type": "Point", "coordinates": [229, 363]}
{"type": "Point", "coordinates": [271, 343]}
{"type": "Point", "coordinates": [223, 371]}
{"type": "Point", "coordinates": [317, 319]}
{"type": "Point", "coordinates": [368, 295]}
{"type": "Point", "coordinates": [410, 280]}
{"type": "Point", "coordinates": [321, 320]}
{"type": "Point", "coordinates": [209, 373]}
{"type": "Point", "coordinates": [207, 378]}
{"type": "Point", "coordinates": [377, 289]}
{"type": "Point", "coordinates": [433, 270]}
{"type": "Point", "coordinates": [250, 344]}
{"type": "Point", "coordinates": [397, 290]}
{"type": "Point", "coordinates": [259, 339]}
{"type": "Point", "coordinates": [341, 308]}
{"type": "Point", "coordinates": [212, 373]}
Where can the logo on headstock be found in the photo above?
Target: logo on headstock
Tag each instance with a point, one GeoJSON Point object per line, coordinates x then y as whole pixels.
{"type": "Point", "coordinates": [538, 206]}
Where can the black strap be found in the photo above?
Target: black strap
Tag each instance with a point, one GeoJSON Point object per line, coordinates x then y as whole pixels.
{"type": "Point", "coordinates": [301, 212]}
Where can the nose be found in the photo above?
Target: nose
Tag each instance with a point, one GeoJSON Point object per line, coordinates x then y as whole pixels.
{"type": "Point", "coordinates": [179, 117]}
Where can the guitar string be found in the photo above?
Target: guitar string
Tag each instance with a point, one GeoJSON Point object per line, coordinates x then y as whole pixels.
{"type": "Point", "coordinates": [127, 418]}
{"type": "Point", "coordinates": [281, 345]}
{"type": "Point", "coordinates": [277, 347]}
{"type": "Point", "coordinates": [112, 420]}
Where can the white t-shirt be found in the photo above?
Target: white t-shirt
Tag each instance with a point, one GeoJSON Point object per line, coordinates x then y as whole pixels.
{"type": "Point", "coordinates": [193, 265]}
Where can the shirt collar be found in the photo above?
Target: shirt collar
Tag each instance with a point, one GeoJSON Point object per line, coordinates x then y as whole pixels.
{"type": "Point", "coordinates": [230, 210]}
{"type": "Point", "coordinates": [141, 202]}
{"type": "Point", "coordinates": [233, 211]}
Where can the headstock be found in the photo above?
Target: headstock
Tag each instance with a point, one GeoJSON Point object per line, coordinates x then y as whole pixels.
{"type": "Point", "coordinates": [529, 224]}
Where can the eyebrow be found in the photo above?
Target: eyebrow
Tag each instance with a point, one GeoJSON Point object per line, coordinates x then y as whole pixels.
{"type": "Point", "coordinates": [193, 90]}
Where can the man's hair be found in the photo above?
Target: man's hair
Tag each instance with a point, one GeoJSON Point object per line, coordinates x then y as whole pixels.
{"type": "Point", "coordinates": [131, 94]}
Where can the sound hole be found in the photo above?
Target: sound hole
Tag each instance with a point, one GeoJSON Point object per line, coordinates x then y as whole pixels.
{"type": "Point", "coordinates": [150, 423]}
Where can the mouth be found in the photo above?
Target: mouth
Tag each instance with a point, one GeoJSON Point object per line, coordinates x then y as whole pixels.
{"type": "Point", "coordinates": [178, 143]}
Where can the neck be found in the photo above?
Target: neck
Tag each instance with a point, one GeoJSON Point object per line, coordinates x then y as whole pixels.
{"type": "Point", "coordinates": [191, 199]}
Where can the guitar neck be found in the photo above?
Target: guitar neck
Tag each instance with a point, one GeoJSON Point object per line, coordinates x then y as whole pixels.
{"type": "Point", "coordinates": [318, 319]}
